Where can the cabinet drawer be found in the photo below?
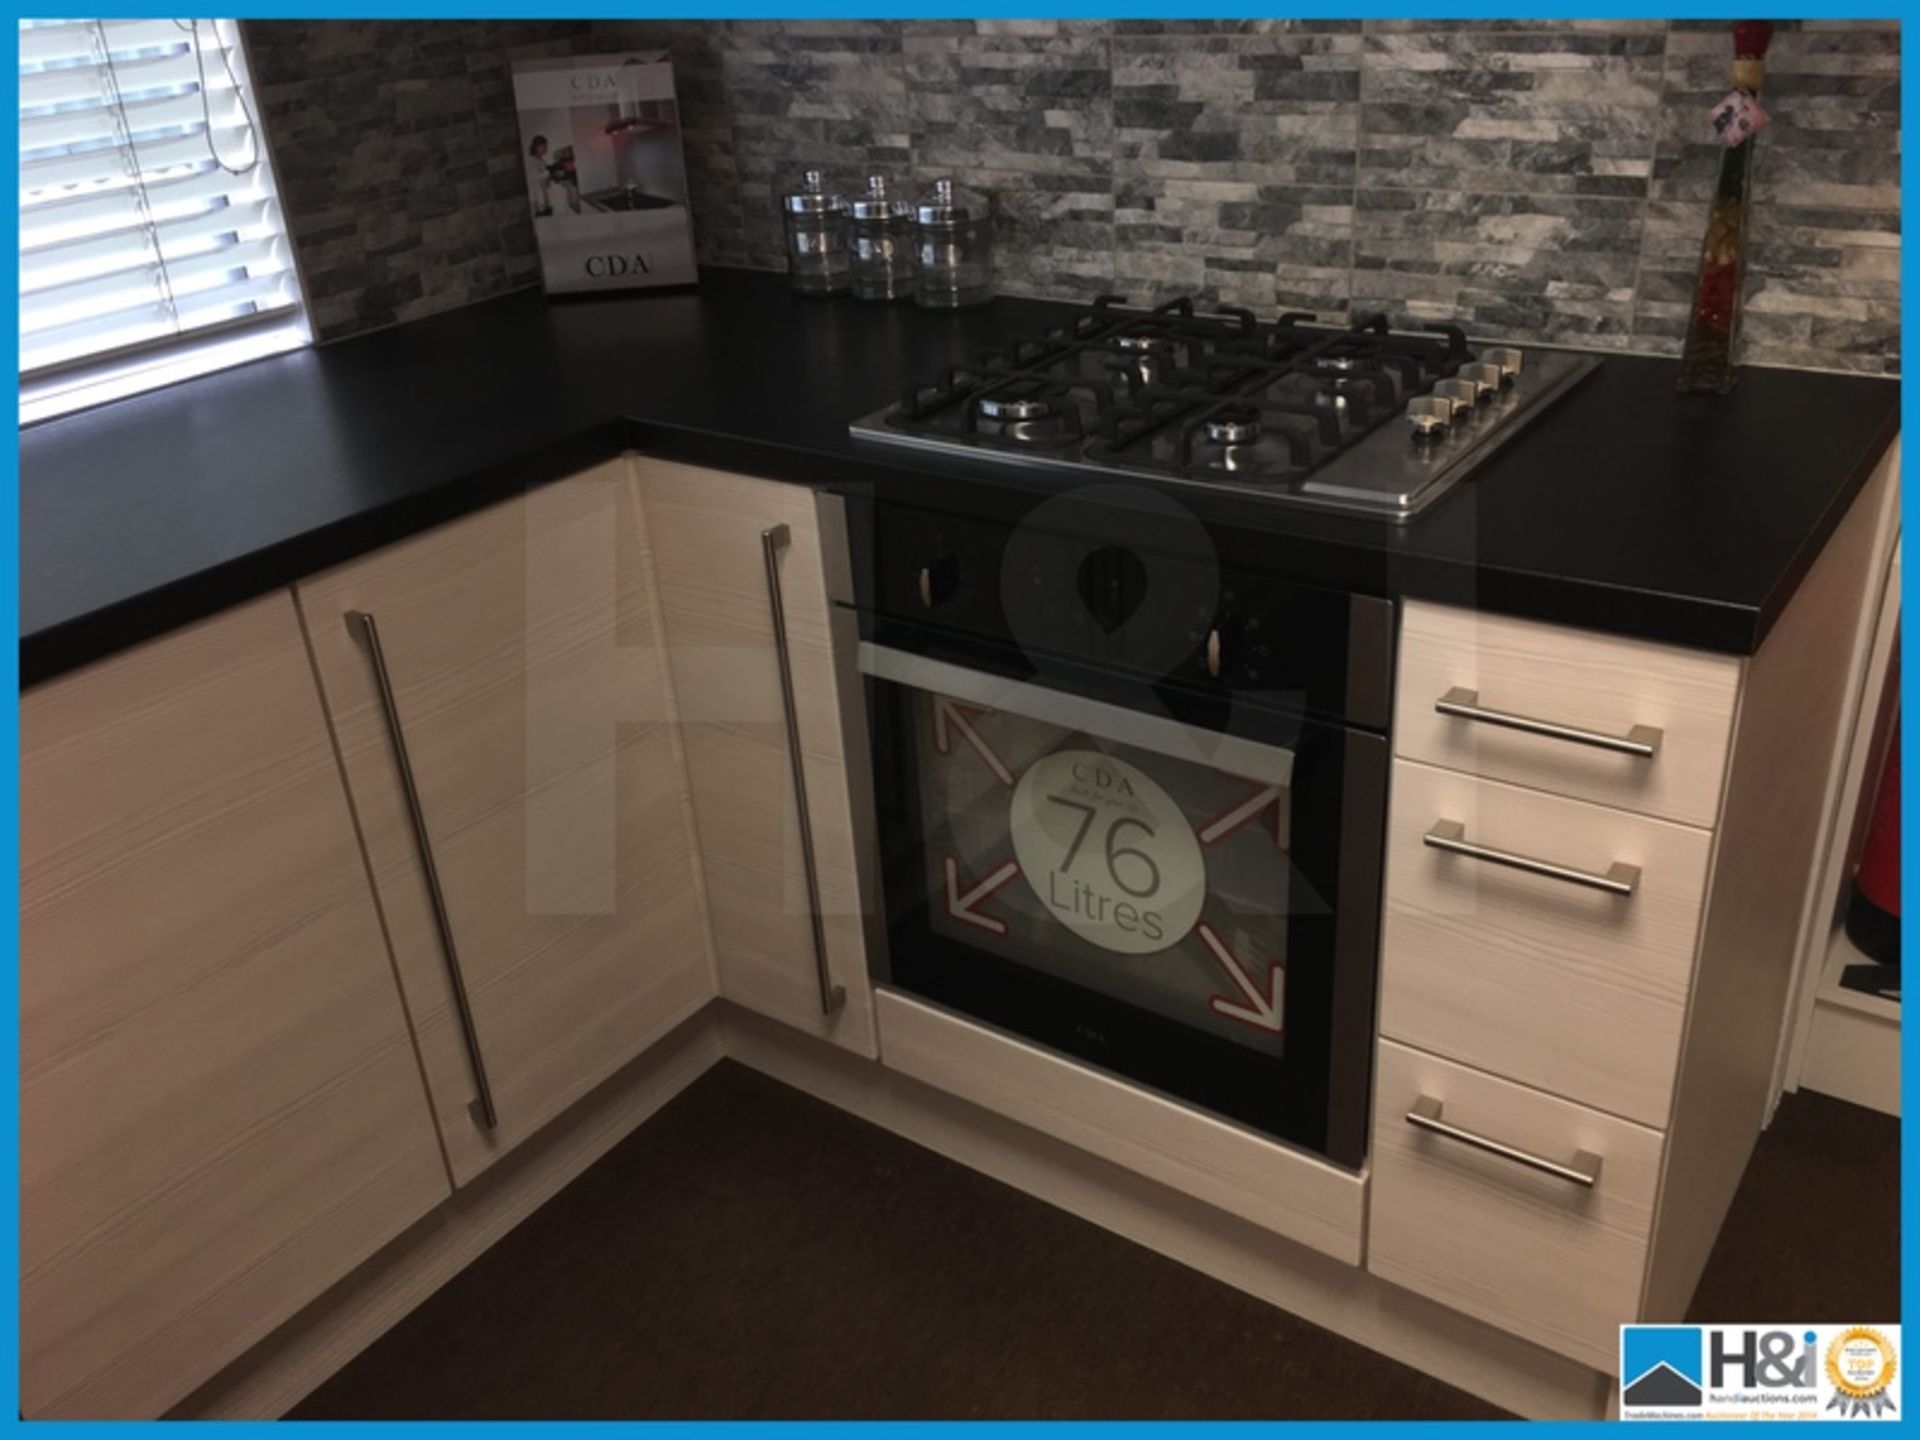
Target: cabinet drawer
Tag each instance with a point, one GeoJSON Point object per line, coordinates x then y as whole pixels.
{"type": "Point", "coordinates": [1290, 1193]}
{"type": "Point", "coordinates": [1601, 686]}
{"type": "Point", "coordinates": [1541, 1255]}
{"type": "Point", "coordinates": [1540, 977]}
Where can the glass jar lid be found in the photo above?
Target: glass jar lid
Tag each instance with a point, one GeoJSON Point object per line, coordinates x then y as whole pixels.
{"type": "Point", "coordinates": [950, 205]}
{"type": "Point", "coordinates": [880, 203]}
{"type": "Point", "coordinates": [813, 197]}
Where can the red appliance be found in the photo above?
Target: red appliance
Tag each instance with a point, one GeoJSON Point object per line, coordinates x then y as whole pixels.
{"type": "Point", "coordinates": [1873, 915]}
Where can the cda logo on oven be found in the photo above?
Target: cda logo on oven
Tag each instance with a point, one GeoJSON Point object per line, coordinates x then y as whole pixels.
{"type": "Point", "coordinates": [1759, 1372]}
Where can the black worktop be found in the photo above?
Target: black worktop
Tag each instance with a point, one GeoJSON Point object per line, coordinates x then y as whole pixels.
{"type": "Point", "coordinates": [1629, 508]}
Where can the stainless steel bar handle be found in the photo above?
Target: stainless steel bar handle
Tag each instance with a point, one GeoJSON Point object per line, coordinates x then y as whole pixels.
{"type": "Point", "coordinates": [1451, 836]}
{"type": "Point", "coordinates": [772, 541]}
{"type": "Point", "coordinates": [369, 632]}
{"type": "Point", "coordinates": [1642, 741]}
{"type": "Point", "coordinates": [1583, 1169]}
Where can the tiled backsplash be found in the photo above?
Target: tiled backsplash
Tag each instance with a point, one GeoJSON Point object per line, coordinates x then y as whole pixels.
{"type": "Point", "coordinates": [1536, 179]}
{"type": "Point", "coordinates": [398, 155]}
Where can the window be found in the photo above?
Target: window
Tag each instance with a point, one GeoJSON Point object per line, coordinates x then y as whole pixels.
{"type": "Point", "coordinates": [152, 242]}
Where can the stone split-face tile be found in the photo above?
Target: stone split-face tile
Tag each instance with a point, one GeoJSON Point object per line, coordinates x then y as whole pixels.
{"type": "Point", "coordinates": [1052, 229]}
{"type": "Point", "coordinates": [392, 132]}
{"type": "Point", "coordinates": [1527, 266]}
{"type": "Point", "coordinates": [1031, 29]}
{"type": "Point", "coordinates": [1156, 29]}
{"type": "Point", "coordinates": [1608, 27]}
{"type": "Point", "coordinates": [1023, 115]}
{"type": "Point", "coordinates": [1010, 101]}
{"type": "Point", "coordinates": [1234, 242]}
{"type": "Point", "coordinates": [1503, 171]}
{"type": "Point", "coordinates": [1234, 162]}
{"type": "Point", "coordinates": [1548, 109]}
{"type": "Point", "coordinates": [1545, 179]}
{"type": "Point", "coordinates": [806, 94]}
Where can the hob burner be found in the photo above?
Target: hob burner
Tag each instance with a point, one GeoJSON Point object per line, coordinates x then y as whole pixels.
{"type": "Point", "coordinates": [1239, 427]}
{"type": "Point", "coordinates": [1015, 408]}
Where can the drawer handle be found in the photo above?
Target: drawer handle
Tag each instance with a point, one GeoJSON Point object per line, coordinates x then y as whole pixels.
{"type": "Point", "coordinates": [772, 541]}
{"type": "Point", "coordinates": [1642, 741]}
{"type": "Point", "coordinates": [1584, 1169]}
{"type": "Point", "coordinates": [1451, 836]}
{"type": "Point", "coordinates": [361, 621]}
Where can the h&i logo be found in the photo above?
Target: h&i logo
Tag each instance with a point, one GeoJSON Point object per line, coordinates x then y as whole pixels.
{"type": "Point", "coordinates": [1660, 1366]}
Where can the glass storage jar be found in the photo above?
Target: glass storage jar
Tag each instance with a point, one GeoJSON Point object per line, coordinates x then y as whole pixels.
{"type": "Point", "coordinates": [819, 259]}
{"type": "Point", "coordinates": [883, 236]}
{"type": "Point", "coordinates": [956, 248]}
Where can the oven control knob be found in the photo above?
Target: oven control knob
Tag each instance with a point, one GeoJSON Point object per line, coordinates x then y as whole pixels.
{"type": "Point", "coordinates": [1232, 642]}
{"type": "Point", "coordinates": [939, 582]}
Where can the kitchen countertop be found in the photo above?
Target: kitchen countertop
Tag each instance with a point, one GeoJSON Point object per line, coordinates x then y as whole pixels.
{"type": "Point", "coordinates": [1629, 508]}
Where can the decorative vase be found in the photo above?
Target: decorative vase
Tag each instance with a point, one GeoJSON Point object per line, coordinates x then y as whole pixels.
{"type": "Point", "coordinates": [1706, 361]}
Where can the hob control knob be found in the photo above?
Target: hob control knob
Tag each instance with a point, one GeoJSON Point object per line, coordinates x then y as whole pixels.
{"type": "Point", "coordinates": [1507, 358]}
{"type": "Point", "coordinates": [1462, 395]}
{"type": "Point", "coordinates": [1486, 379]}
{"type": "Point", "coordinates": [1430, 416]}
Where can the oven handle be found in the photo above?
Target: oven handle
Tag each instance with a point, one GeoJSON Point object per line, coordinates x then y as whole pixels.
{"type": "Point", "coordinates": [1233, 754]}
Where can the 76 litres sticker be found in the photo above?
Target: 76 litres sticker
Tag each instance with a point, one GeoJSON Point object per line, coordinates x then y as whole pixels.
{"type": "Point", "coordinates": [1107, 851]}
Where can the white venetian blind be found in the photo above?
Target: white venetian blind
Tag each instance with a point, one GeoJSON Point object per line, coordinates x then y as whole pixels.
{"type": "Point", "coordinates": [147, 206]}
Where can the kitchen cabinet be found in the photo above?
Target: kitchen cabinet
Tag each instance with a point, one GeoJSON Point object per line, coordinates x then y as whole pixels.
{"type": "Point", "coordinates": [221, 1113]}
{"type": "Point", "coordinates": [1545, 1235]}
{"type": "Point", "coordinates": [1600, 874]}
{"type": "Point", "coordinates": [538, 880]}
{"type": "Point", "coordinates": [710, 534]}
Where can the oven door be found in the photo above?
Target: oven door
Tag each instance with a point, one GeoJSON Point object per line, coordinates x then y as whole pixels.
{"type": "Point", "coordinates": [1193, 908]}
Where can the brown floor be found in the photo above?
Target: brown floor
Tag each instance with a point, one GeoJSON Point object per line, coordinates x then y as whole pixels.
{"type": "Point", "coordinates": [753, 1253]}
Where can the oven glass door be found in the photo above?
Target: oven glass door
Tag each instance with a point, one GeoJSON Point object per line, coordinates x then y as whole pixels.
{"type": "Point", "coordinates": [1194, 910]}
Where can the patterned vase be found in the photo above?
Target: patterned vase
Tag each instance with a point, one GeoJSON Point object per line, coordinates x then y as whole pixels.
{"type": "Point", "coordinates": [1706, 361]}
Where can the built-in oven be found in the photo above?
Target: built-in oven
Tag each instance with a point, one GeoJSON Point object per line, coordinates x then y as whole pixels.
{"type": "Point", "coordinates": [1130, 802]}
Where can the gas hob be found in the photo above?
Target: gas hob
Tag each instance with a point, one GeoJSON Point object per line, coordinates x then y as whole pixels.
{"type": "Point", "coordinates": [1363, 417]}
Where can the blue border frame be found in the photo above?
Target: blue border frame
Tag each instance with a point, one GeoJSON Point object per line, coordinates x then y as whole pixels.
{"type": "Point", "coordinates": [706, 9]}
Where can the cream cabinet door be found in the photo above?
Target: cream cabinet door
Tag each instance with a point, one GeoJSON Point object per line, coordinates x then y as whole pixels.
{"type": "Point", "coordinates": [221, 1113]}
{"type": "Point", "coordinates": [707, 529]}
{"type": "Point", "coordinates": [529, 692]}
